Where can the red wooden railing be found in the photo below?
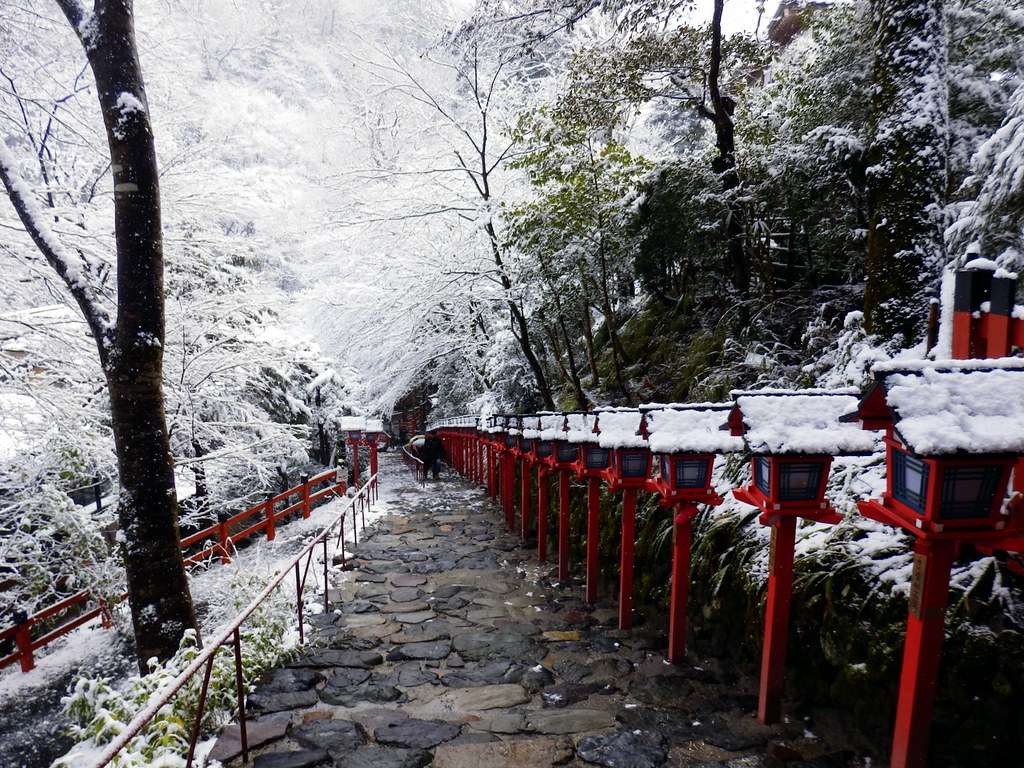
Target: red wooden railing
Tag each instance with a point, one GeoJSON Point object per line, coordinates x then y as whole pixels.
{"type": "Point", "coordinates": [300, 565]}
{"type": "Point", "coordinates": [223, 541]}
{"type": "Point", "coordinates": [415, 465]}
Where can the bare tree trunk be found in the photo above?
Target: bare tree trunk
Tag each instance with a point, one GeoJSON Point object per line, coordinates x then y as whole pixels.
{"type": "Point", "coordinates": [161, 603]}
{"type": "Point", "coordinates": [725, 166]}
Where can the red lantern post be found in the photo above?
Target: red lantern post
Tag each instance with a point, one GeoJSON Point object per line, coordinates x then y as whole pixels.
{"type": "Point", "coordinates": [792, 436]}
{"type": "Point", "coordinates": [622, 432]}
{"type": "Point", "coordinates": [685, 439]}
{"type": "Point", "coordinates": [954, 431]}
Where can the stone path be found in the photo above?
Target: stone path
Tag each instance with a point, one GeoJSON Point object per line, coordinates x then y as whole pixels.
{"type": "Point", "coordinates": [451, 646]}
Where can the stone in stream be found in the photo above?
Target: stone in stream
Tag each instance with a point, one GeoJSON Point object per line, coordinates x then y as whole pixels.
{"type": "Point", "coordinates": [417, 734]}
{"type": "Point", "coordinates": [624, 749]}
{"type": "Point", "coordinates": [337, 737]}
{"type": "Point", "coordinates": [305, 759]}
{"type": "Point", "coordinates": [385, 757]}
{"type": "Point", "coordinates": [535, 753]}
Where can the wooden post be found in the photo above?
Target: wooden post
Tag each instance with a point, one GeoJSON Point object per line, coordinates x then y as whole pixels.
{"type": "Point", "coordinates": [776, 619]}
{"type": "Point", "coordinates": [23, 639]}
{"type": "Point", "coordinates": [593, 536]}
{"type": "Point", "coordinates": [542, 513]}
{"type": "Point", "coordinates": [355, 465]}
{"type": "Point", "coordinates": [682, 535]}
{"type": "Point", "coordinates": [525, 474]}
{"type": "Point", "coordinates": [268, 512]}
{"type": "Point", "coordinates": [508, 478]}
{"type": "Point", "coordinates": [929, 593]}
{"type": "Point", "coordinates": [626, 557]}
{"type": "Point", "coordinates": [563, 525]}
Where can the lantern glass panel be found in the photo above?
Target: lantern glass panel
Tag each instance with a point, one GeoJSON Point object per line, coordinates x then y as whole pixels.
{"type": "Point", "coordinates": [526, 445]}
{"type": "Point", "coordinates": [567, 453]}
{"type": "Point", "coordinates": [543, 448]}
{"type": "Point", "coordinates": [633, 464]}
{"type": "Point", "coordinates": [596, 458]}
{"type": "Point", "coordinates": [967, 492]}
{"type": "Point", "coordinates": [799, 480]}
{"type": "Point", "coordinates": [510, 441]}
{"type": "Point", "coordinates": [691, 473]}
{"type": "Point", "coordinates": [763, 474]}
{"type": "Point", "coordinates": [909, 480]}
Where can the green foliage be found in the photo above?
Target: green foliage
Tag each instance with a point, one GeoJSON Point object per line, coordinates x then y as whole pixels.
{"type": "Point", "coordinates": [99, 712]}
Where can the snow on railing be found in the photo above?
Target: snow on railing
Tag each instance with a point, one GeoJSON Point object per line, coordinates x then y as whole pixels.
{"type": "Point", "coordinates": [224, 542]}
{"type": "Point", "coordinates": [232, 636]}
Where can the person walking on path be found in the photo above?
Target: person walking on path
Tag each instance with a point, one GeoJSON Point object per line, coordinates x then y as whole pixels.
{"type": "Point", "coordinates": [431, 454]}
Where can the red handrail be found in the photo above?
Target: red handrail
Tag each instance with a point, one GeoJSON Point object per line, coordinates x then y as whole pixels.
{"type": "Point", "coordinates": [225, 541]}
{"type": "Point", "coordinates": [231, 636]}
{"type": "Point", "coordinates": [415, 463]}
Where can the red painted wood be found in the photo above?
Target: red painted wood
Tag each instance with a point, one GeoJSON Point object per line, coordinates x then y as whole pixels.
{"type": "Point", "coordinates": [963, 330]}
{"type": "Point", "coordinates": [626, 557]}
{"type": "Point", "coordinates": [682, 536]}
{"type": "Point", "coordinates": [542, 514]}
{"type": "Point", "coordinates": [776, 619]}
{"type": "Point", "coordinates": [593, 536]}
{"type": "Point", "coordinates": [922, 652]}
{"type": "Point", "coordinates": [563, 525]}
{"type": "Point", "coordinates": [525, 515]}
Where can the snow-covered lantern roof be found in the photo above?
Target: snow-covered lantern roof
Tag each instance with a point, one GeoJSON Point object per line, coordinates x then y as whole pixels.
{"type": "Point", "coordinates": [353, 426]}
{"type": "Point", "coordinates": [621, 431]}
{"type": "Point", "coordinates": [793, 436]}
{"type": "Point", "coordinates": [954, 430]}
{"type": "Point", "coordinates": [556, 427]}
{"type": "Point", "coordinates": [686, 438]}
{"type": "Point", "coordinates": [539, 447]}
{"type": "Point", "coordinates": [581, 431]}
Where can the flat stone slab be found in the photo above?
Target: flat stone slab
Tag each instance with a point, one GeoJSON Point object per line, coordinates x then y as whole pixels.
{"type": "Point", "coordinates": [417, 617]}
{"type": "Point", "coordinates": [624, 749]}
{"type": "Point", "coordinates": [423, 633]}
{"type": "Point", "coordinates": [408, 580]}
{"type": "Point", "coordinates": [535, 753]}
{"type": "Point", "coordinates": [385, 757]}
{"type": "Point", "coordinates": [569, 721]}
{"type": "Point", "coordinates": [406, 594]}
{"type": "Point", "coordinates": [372, 719]}
{"type": "Point", "coordinates": [417, 734]}
{"type": "Point", "coordinates": [305, 759]}
{"type": "Point", "coordinates": [281, 701]}
{"type": "Point", "coordinates": [410, 607]}
{"type": "Point", "coordinates": [333, 657]}
{"type": "Point", "coordinates": [486, 697]}
{"type": "Point", "coordinates": [435, 650]}
{"type": "Point", "coordinates": [336, 737]}
{"type": "Point", "coordinates": [512, 722]}
{"type": "Point", "coordinates": [258, 732]}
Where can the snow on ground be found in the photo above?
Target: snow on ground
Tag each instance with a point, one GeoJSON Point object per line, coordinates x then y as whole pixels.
{"type": "Point", "coordinates": [31, 722]}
